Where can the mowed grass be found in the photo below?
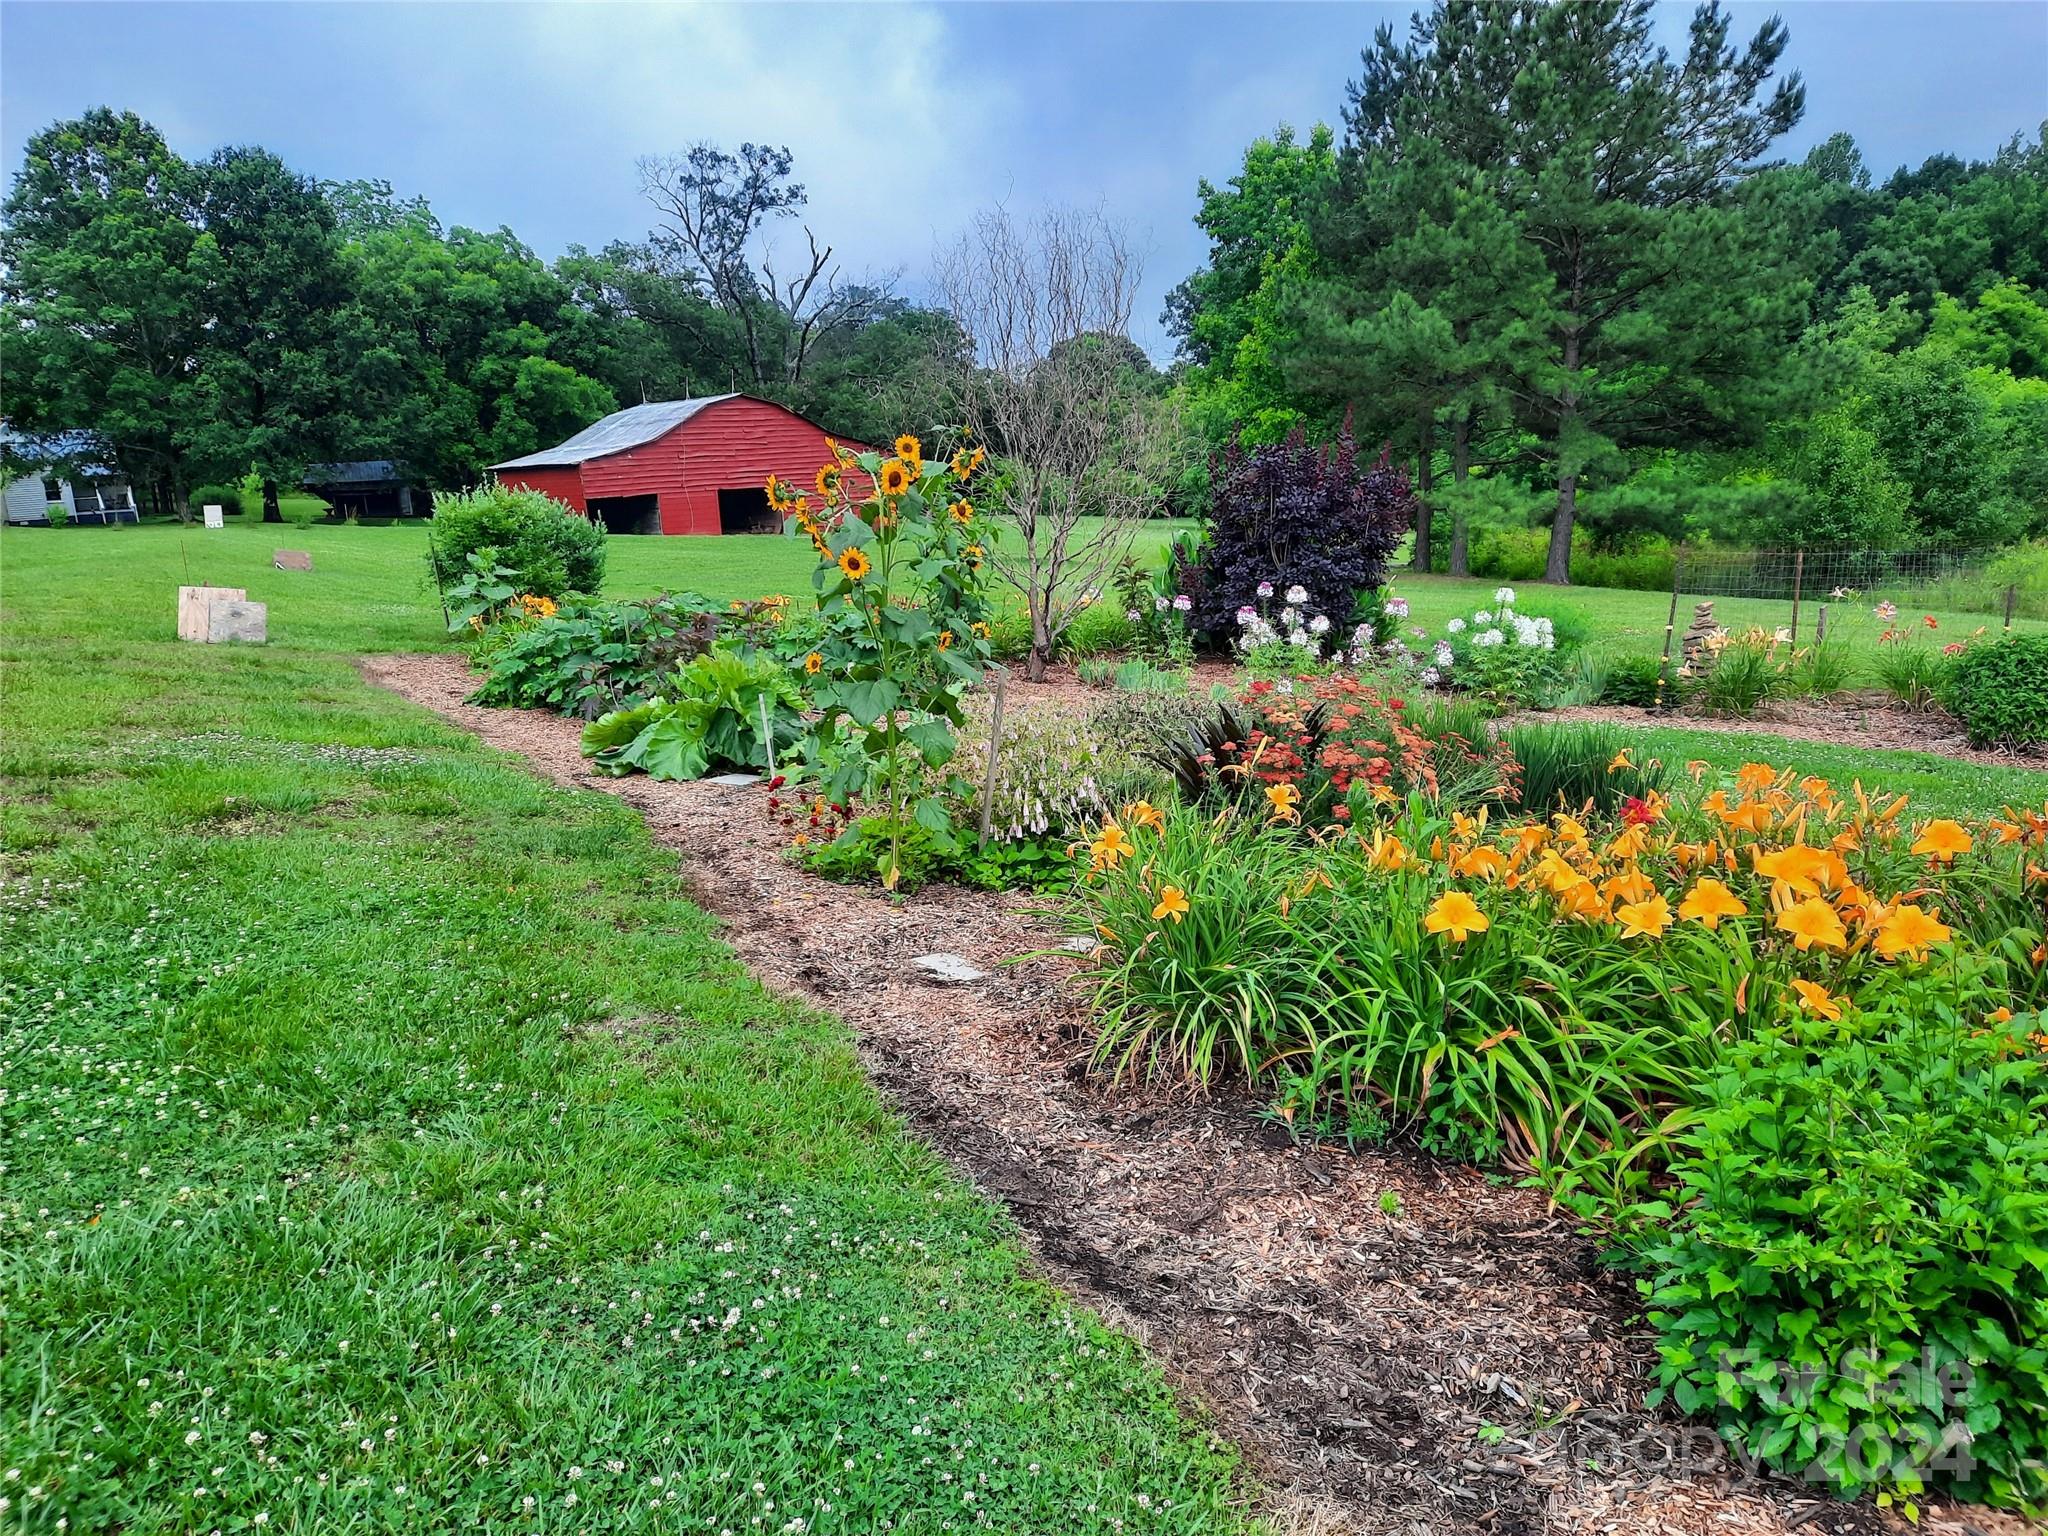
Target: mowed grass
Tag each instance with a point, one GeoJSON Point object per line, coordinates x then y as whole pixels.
{"type": "Point", "coordinates": [387, 1145]}
{"type": "Point", "coordinates": [367, 592]}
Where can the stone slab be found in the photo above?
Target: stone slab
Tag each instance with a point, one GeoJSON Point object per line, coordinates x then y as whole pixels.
{"type": "Point", "coordinates": [734, 780]}
{"type": "Point", "coordinates": [950, 969]}
{"type": "Point", "coordinates": [229, 620]}
{"type": "Point", "coordinates": [292, 560]}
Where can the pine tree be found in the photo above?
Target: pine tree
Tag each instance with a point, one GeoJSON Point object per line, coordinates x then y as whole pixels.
{"type": "Point", "coordinates": [1666, 277]}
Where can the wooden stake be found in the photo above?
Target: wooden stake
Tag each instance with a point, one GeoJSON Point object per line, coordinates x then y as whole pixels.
{"type": "Point", "coordinates": [995, 747]}
{"type": "Point", "coordinates": [1670, 624]}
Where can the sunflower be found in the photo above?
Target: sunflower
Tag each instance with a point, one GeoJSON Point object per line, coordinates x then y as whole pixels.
{"type": "Point", "coordinates": [828, 479]}
{"type": "Point", "coordinates": [778, 498]}
{"type": "Point", "coordinates": [945, 639]}
{"type": "Point", "coordinates": [855, 563]}
{"type": "Point", "coordinates": [813, 662]}
{"type": "Point", "coordinates": [896, 477]}
{"type": "Point", "coordinates": [910, 451]}
{"type": "Point", "coordinates": [962, 512]}
{"type": "Point", "coordinates": [973, 552]}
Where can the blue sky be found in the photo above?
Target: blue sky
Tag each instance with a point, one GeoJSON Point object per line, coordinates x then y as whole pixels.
{"type": "Point", "coordinates": [903, 118]}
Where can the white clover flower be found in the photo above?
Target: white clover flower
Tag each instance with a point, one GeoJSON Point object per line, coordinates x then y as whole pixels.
{"type": "Point", "coordinates": [1503, 594]}
{"type": "Point", "coordinates": [1297, 594]}
{"type": "Point", "coordinates": [1455, 627]}
{"type": "Point", "coordinates": [1319, 625]}
{"type": "Point", "coordinates": [1265, 589]}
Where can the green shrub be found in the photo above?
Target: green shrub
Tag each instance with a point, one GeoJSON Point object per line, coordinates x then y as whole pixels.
{"type": "Point", "coordinates": [1567, 767]}
{"type": "Point", "coordinates": [227, 497]}
{"type": "Point", "coordinates": [1999, 690]}
{"type": "Point", "coordinates": [1854, 1269]}
{"type": "Point", "coordinates": [1822, 670]}
{"type": "Point", "coordinates": [712, 718]}
{"type": "Point", "coordinates": [551, 550]}
{"type": "Point", "coordinates": [1632, 681]}
{"type": "Point", "coordinates": [871, 845]}
{"type": "Point", "coordinates": [590, 658]}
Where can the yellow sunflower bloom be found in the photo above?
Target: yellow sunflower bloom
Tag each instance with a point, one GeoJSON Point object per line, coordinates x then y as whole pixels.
{"type": "Point", "coordinates": [828, 479]}
{"type": "Point", "coordinates": [896, 477]}
{"type": "Point", "coordinates": [813, 662]}
{"type": "Point", "coordinates": [910, 451]}
{"type": "Point", "coordinates": [962, 512]}
{"type": "Point", "coordinates": [855, 563]}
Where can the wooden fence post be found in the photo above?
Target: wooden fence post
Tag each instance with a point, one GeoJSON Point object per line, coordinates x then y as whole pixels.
{"type": "Point", "coordinates": [1798, 575]}
{"type": "Point", "coordinates": [2011, 590]}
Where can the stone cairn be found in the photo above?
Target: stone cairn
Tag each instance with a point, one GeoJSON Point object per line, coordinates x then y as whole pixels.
{"type": "Point", "coordinates": [1693, 647]}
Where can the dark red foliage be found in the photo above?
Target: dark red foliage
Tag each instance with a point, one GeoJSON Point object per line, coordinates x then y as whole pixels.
{"type": "Point", "coordinates": [1298, 515]}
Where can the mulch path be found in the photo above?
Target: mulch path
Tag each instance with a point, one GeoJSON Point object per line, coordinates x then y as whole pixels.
{"type": "Point", "coordinates": [1354, 1356]}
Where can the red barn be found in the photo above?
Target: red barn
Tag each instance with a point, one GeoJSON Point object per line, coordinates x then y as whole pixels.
{"type": "Point", "coordinates": [679, 466]}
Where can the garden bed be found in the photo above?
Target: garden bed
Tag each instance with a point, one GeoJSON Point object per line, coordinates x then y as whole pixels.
{"type": "Point", "coordinates": [1399, 1344]}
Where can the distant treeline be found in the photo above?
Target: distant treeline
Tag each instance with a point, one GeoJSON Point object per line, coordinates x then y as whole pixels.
{"type": "Point", "coordinates": [1558, 269]}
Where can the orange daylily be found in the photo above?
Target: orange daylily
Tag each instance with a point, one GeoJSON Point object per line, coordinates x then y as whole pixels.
{"type": "Point", "coordinates": [1709, 901]}
{"type": "Point", "coordinates": [1143, 813]}
{"type": "Point", "coordinates": [1110, 846]}
{"type": "Point", "coordinates": [1815, 998]}
{"type": "Point", "coordinates": [1456, 914]}
{"type": "Point", "coordinates": [1644, 919]}
{"type": "Point", "coordinates": [1173, 903]}
{"type": "Point", "coordinates": [1909, 930]}
{"type": "Point", "coordinates": [1812, 922]}
{"type": "Point", "coordinates": [1942, 841]}
{"type": "Point", "coordinates": [1284, 798]}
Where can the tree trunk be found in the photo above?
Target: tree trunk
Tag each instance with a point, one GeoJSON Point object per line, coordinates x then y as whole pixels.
{"type": "Point", "coordinates": [1461, 469]}
{"type": "Point", "coordinates": [272, 512]}
{"type": "Point", "coordinates": [1557, 568]}
{"type": "Point", "coordinates": [1425, 481]}
{"type": "Point", "coordinates": [1041, 637]}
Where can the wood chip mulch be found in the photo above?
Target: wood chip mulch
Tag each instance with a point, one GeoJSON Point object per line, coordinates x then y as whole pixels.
{"type": "Point", "coordinates": [1363, 1362]}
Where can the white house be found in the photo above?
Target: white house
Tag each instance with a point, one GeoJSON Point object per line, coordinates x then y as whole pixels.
{"type": "Point", "coordinates": [90, 493]}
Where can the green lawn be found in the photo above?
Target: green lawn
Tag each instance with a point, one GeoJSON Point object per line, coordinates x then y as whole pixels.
{"type": "Point", "coordinates": [367, 592]}
{"type": "Point", "coordinates": [387, 1145]}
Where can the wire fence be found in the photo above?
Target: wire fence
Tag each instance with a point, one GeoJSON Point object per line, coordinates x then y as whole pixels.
{"type": "Point", "coordinates": [1804, 595]}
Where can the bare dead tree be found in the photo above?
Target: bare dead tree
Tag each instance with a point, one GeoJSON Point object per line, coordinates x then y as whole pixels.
{"type": "Point", "coordinates": [1045, 305]}
{"type": "Point", "coordinates": [715, 208]}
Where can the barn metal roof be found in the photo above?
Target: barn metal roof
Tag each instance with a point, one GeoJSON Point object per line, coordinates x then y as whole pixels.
{"type": "Point", "coordinates": [616, 433]}
{"type": "Point", "coordinates": [354, 472]}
